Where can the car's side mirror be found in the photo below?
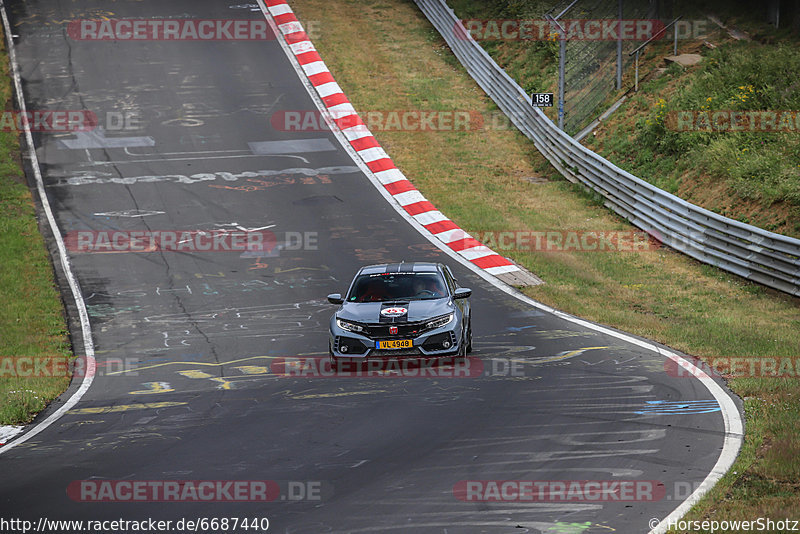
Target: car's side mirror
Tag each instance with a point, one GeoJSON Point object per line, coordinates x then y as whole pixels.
{"type": "Point", "coordinates": [462, 293]}
{"type": "Point", "coordinates": [335, 298]}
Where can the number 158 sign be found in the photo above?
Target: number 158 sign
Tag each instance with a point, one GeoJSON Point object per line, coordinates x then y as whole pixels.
{"type": "Point", "coordinates": [542, 100]}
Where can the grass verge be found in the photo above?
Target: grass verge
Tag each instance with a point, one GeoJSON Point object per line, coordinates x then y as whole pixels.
{"type": "Point", "coordinates": [741, 172]}
{"type": "Point", "coordinates": [751, 176]}
{"type": "Point", "coordinates": [33, 336]}
{"type": "Point", "coordinates": [386, 56]}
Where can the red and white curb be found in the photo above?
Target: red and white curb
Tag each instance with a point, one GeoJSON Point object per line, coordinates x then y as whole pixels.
{"type": "Point", "coordinates": [426, 215]}
{"type": "Point", "coordinates": [369, 150]}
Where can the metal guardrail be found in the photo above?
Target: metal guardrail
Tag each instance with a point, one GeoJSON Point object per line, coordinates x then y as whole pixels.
{"type": "Point", "coordinates": [753, 253]}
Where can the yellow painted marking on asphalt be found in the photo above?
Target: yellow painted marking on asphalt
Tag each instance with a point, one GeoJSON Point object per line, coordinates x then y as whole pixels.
{"type": "Point", "coordinates": [153, 387]}
{"type": "Point", "coordinates": [329, 395]}
{"type": "Point", "coordinates": [226, 384]}
{"type": "Point", "coordinates": [136, 369]}
{"type": "Point", "coordinates": [570, 354]}
{"type": "Point", "coordinates": [220, 274]}
{"type": "Point", "coordinates": [196, 363]}
{"type": "Point", "coordinates": [561, 334]}
{"type": "Point", "coordinates": [126, 407]}
{"type": "Point", "coordinates": [253, 369]}
{"type": "Point", "coordinates": [194, 373]}
{"type": "Point", "coordinates": [278, 270]}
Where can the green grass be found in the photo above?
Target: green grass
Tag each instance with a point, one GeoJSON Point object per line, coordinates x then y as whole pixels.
{"type": "Point", "coordinates": [752, 177]}
{"type": "Point", "coordinates": [32, 324]}
{"type": "Point", "coordinates": [477, 179]}
{"type": "Point", "coordinates": [737, 77]}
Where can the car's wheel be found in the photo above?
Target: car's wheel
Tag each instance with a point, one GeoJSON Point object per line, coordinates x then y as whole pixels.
{"type": "Point", "coordinates": [469, 336]}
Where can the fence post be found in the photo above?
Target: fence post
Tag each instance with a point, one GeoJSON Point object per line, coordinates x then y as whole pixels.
{"type": "Point", "coordinates": [562, 51]}
{"type": "Point", "coordinates": [619, 46]}
{"type": "Point", "coordinates": [675, 45]}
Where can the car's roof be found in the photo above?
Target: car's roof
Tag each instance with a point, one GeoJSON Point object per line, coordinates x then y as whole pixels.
{"type": "Point", "coordinates": [404, 267]}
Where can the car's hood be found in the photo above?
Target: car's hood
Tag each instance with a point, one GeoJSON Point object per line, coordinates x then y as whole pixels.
{"type": "Point", "coordinates": [416, 310]}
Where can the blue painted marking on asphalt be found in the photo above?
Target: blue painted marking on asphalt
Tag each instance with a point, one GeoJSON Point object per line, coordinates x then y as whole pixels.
{"type": "Point", "coordinates": [679, 407]}
{"type": "Point", "coordinates": [519, 328]}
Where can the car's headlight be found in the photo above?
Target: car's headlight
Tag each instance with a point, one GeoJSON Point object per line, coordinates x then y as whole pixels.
{"type": "Point", "coordinates": [350, 327]}
{"type": "Point", "coordinates": [440, 321]}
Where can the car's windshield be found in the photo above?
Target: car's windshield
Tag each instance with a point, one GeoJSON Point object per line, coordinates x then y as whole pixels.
{"type": "Point", "coordinates": [397, 286]}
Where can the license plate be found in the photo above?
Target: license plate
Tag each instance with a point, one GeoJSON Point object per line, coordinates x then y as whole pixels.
{"type": "Point", "coordinates": [394, 344]}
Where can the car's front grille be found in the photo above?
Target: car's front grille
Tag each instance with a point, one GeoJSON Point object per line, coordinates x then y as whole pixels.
{"type": "Point", "coordinates": [403, 330]}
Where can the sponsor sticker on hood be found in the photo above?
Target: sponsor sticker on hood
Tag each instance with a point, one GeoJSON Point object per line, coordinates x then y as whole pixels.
{"type": "Point", "coordinates": [395, 311]}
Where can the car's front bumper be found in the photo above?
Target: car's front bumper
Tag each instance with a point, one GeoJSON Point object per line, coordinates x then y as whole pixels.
{"type": "Point", "coordinates": [437, 343]}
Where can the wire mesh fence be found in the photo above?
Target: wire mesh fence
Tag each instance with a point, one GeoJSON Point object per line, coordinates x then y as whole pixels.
{"type": "Point", "coordinates": [745, 250]}
{"type": "Point", "coordinates": [590, 72]}
{"type": "Point", "coordinates": [591, 56]}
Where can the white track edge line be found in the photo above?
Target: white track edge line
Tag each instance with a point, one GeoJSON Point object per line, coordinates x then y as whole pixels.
{"type": "Point", "coordinates": [86, 329]}
{"type": "Point", "coordinates": [732, 420]}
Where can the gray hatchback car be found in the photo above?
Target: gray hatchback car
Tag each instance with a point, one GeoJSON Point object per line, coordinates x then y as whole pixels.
{"type": "Point", "coordinates": [401, 310]}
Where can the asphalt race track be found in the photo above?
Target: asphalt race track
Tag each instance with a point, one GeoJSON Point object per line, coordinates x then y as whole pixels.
{"type": "Point", "coordinates": [189, 343]}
